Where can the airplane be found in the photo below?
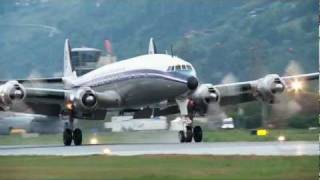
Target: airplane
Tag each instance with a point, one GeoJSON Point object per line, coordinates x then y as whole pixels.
{"type": "Point", "coordinates": [164, 83]}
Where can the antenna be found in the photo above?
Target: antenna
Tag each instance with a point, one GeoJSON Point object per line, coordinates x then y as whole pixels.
{"type": "Point", "coordinates": [171, 48]}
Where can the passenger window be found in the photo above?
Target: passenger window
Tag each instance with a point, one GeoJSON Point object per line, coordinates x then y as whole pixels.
{"type": "Point", "coordinates": [178, 67]}
{"type": "Point", "coordinates": [169, 68]}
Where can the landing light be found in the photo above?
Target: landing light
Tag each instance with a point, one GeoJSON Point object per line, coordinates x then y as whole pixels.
{"type": "Point", "coordinates": [106, 151]}
{"type": "Point", "coordinates": [296, 85]}
{"type": "Point", "coordinates": [281, 138]}
{"type": "Point", "coordinates": [94, 140]}
{"type": "Point", "coordinates": [69, 106]}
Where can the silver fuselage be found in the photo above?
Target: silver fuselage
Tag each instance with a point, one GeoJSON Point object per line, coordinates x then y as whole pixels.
{"type": "Point", "coordinates": [139, 82]}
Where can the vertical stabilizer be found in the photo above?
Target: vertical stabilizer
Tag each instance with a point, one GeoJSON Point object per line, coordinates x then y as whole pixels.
{"type": "Point", "coordinates": [68, 74]}
{"type": "Point", "coordinates": [152, 47]}
{"type": "Point", "coordinates": [68, 71]}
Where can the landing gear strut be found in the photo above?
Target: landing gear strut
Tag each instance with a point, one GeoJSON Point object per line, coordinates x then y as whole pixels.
{"type": "Point", "coordinates": [69, 134]}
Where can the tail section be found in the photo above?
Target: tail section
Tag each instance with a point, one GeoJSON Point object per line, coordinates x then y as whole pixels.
{"type": "Point", "coordinates": [152, 47]}
{"type": "Point", "coordinates": [68, 73]}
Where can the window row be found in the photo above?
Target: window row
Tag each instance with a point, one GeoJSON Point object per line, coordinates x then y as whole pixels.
{"type": "Point", "coordinates": [179, 68]}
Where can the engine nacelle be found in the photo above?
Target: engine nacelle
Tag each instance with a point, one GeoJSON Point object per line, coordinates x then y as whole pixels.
{"type": "Point", "coordinates": [266, 88]}
{"type": "Point", "coordinates": [84, 98]}
{"type": "Point", "coordinates": [202, 97]}
{"type": "Point", "coordinates": [11, 91]}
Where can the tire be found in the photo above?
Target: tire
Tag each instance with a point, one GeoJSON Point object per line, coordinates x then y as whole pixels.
{"type": "Point", "coordinates": [77, 137]}
{"type": "Point", "coordinates": [182, 137]}
{"type": "Point", "coordinates": [197, 134]}
{"type": "Point", "coordinates": [67, 137]}
{"type": "Point", "coordinates": [189, 134]}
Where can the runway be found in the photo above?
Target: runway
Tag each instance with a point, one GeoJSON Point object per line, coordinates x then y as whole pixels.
{"type": "Point", "coordinates": [296, 148]}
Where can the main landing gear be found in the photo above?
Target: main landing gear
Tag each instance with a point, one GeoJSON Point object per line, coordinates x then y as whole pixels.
{"type": "Point", "coordinates": [70, 134]}
{"type": "Point", "coordinates": [189, 132]}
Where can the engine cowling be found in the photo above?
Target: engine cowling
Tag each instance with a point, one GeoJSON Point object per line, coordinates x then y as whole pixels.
{"type": "Point", "coordinates": [202, 97]}
{"type": "Point", "coordinates": [84, 98]}
{"type": "Point", "coordinates": [268, 87]}
{"type": "Point", "coordinates": [11, 91]}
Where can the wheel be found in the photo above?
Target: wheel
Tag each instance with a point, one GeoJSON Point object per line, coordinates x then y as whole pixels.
{"type": "Point", "coordinates": [182, 137]}
{"type": "Point", "coordinates": [197, 134]}
{"type": "Point", "coordinates": [77, 137]}
{"type": "Point", "coordinates": [189, 134]}
{"type": "Point", "coordinates": [67, 137]}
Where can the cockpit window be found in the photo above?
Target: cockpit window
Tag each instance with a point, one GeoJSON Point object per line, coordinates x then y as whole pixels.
{"type": "Point", "coordinates": [189, 67]}
{"type": "Point", "coordinates": [183, 67]}
{"type": "Point", "coordinates": [170, 68]}
{"type": "Point", "coordinates": [178, 67]}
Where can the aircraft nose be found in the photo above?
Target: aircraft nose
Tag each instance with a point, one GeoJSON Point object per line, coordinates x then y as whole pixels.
{"type": "Point", "coordinates": [192, 83]}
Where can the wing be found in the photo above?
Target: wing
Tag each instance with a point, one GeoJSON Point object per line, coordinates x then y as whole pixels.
{"type": "Point", "coordinates": [302, 77]}
{"type": "Point", "coordinates": [43, 96]}
{"type": "Point", "coordinates": [261, 89]}
{"type": "Point", "coordinates": [48, 97]}
{"type": "Point", "coordinates": [264, 89]}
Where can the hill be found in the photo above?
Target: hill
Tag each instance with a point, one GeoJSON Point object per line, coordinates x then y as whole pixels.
{"type": "Point", "coordinates": [247, 38]}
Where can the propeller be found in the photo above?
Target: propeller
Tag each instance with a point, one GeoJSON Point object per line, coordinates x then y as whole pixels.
{"type": "Point", "coordinates": [215, 113]}
{"type": "Point", "coordinates": [23, 105]}
{"type": "Point", "coordinates": [287, 105]}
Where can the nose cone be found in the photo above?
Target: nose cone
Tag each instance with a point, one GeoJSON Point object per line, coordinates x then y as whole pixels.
{"type": "Point", "coordinates": [192, 83]}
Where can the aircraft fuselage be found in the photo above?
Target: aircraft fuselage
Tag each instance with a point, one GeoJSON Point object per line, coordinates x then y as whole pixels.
{"type": "Point", "coordinates": [142, 80]}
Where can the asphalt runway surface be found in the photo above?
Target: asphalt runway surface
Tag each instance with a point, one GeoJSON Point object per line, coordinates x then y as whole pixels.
{"type": "Point", "coordinates": [296, 148]}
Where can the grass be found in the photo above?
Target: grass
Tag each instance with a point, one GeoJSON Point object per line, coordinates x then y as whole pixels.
{"type": "Point", "coordinates": [165, 136]}
{"type": "Point", "coordinates": [159, 167]}
{"type": "Point", "coordinates": [244, 135]}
